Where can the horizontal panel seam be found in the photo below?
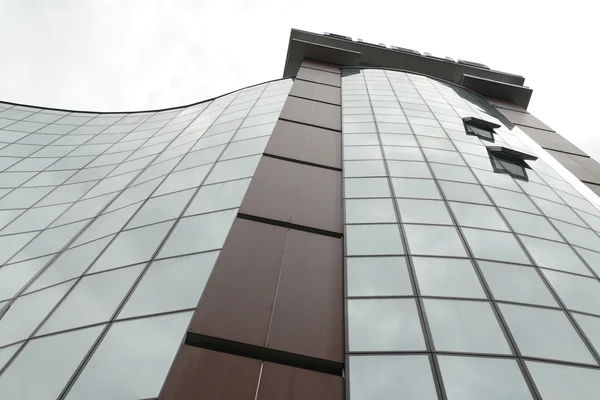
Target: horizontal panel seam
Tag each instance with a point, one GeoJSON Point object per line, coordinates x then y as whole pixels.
{"type": "Point", "coordinates": [285, 224]}
{"type": "Point", "coordinates": [295, 160]}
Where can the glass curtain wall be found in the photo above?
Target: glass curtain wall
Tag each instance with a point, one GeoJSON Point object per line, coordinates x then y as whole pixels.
{"type": "Point", "coordinates": [110, 225]}
{"type": "Point", "coordinates": [461, 281]}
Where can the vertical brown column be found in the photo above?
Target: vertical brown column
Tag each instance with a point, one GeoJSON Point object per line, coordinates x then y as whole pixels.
{"type": "Point", "coordinates": [270, 323]}
{"type": "Point", "coordinates": [585, 168]}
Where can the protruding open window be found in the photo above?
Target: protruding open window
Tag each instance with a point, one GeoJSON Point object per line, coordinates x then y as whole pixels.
{"type": "Point", "coordinates": [509, 161]}
{"type": "Point", "coordinates": [481, 128]}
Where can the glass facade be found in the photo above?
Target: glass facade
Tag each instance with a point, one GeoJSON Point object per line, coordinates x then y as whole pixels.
{"type": "Point", "coordinates": [110, 225]}
{"type": "Point", "coordinates": [462, 282]}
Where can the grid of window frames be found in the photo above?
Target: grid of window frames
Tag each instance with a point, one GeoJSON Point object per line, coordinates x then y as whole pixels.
{"type": "Point", "coordinates": [110, 225]}
{"type": "Point", "coordinates": [461, 283]}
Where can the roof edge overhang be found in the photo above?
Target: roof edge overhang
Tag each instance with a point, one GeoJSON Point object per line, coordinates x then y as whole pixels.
{"type": "Point", "coordinates": [346, 52]}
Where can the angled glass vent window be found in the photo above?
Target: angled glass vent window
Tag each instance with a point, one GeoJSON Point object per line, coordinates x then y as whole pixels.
{"type": "Point", "coordinates": [511, 162]}
{"type": "Point", "coordinates": [480, 128]}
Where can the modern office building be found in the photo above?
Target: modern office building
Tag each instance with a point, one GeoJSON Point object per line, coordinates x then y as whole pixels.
{"type": "Point", "coordinates": [381, 223]}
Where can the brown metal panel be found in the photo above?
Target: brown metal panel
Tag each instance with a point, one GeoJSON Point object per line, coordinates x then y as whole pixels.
{"type": "Point", "coordinates": [291, 192]}
{"type": "Point", "coordinates": [198, 374]}
{"type": "Point", "coordinates": [306, 143]}
{"type": "Point", "coordinates": [272, 190]}
{"type": "Point", "coordinates": [552, 141]}
{"type": "Point", "coordinates": [526, 119]}
{"type": "Point", "coordinates": [279, 382]}
{"type": "Point", "coordinates": [239, 295]}
{"type": "Point", "coordinates": [573, 164]}
{"type": "Point", "coordinates": [315, 91]}
{"type": "Point", "coordinates": [308, 313]}
{"type": "Point", "coordinates": [318, 199]}
{"type": "Point", "coordinates": [317, 76]}
{"type": "Point", "coordinates": [310, 112]}
{"type": "Point", "coordinates": [321, 66]}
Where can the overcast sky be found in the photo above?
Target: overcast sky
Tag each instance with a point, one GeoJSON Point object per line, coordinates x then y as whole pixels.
{"type": "Point", "coordinates": [125, 55]}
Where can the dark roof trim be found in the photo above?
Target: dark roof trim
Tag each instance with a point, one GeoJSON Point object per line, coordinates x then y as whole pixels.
{"type": "Point", "coordinates": [520, 95]}
{"type": "Point", "coordinates": [369, 55]}
{"type": "Point", "coordinates": [505, 151]}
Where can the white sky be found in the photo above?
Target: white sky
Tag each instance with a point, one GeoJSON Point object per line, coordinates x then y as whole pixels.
{"type": "Point", "coordinates": [125, 55]}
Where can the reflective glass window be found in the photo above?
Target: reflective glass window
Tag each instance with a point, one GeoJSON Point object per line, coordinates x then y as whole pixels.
{"type": "Point", "coordinates": [576, 292]}
{"type": "Point", "coordinates": [377, 276]}
{"type": "Point", "coordinates": [94, 299]}
{"type": "Point", "coordinates": [558, 382]}
{"type": "Point", "coordinates": [199, 233]}
{"type": "Point", "coordinates": [384, 325]}
{"type": "Point", "coordinates": [464, 192]}
{"type": "Point", "coordinates": [447, 277]}
{"type": "Point", "coordinates": [466, 326]}
{"type": "Point", "coordinates": [369, 211]}
{"type": "Point", "coordinates": [45, 365]}
{"type": "Point", "coordinates": [499, 246]}
{"type": "Point", "coordinates": [544, 333]}
{"type": "Point", "coordinates": [373, 240]}
{"type": "Point", "coordinates": [415, 188]}
{"type": "Point", "coordinates": [516, 283]}
{"type": "Point", "coordinates": [423, 211]}
{"type": "Point", "coordinates": [474, 378]}
{"type": "Point", "coordinates": [477, 216]}
{"type": "Point", "coordinates": [434, 240]}
{"type": "Point", "coordinates": [391, 377]}
{"type": "Point", "coordinates": [554, 255]}
{"type": "Point", "coordinates": [114, 370]}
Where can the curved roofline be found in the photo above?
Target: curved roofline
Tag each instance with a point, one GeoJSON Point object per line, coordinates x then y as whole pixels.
{"type": "Point", "coordinates": [143, 111]}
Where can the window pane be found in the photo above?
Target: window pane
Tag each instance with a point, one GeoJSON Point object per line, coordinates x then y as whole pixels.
{"type": "Point", "coordinates": [498, 246]}
{"type": "Point", "coordinates": [579, 236]}
{"type": "Point", "coordinates": [514, 200]}
{"type": "Point", "coordinates": [478, 216]}
{"type": "Point", "coordinates": [447, 277]}
{"type": "Point", "coordinates": [529, 224]}
{"type": "Point", "coordinates": [464, 192]}
{"type": "Point", "coordinates": [27, 312]}
{"type": "Point", "coordinates": [384, 325]}
{"type": "Point", "coordinates": [45, 365]}
{"type": "Point", "coordinates": [14, 276]}
{"type": "Point", "coordinates": [408, 169]}
{"type": "Point", "coordinates": [466, 326]}
{"type": "Point", "coordinates": [391, 377]}
{"type": "Point", "coordinates": [370, 211]}
{"type": "Point", "coordinates": [516, 283]}
{"type": "Point", "coordinates": [475, 378]}
{"type": "Point", "coordinates": [373, 240]}
{"type": "Point", "coordinates": [558, 382]}
{"type": "Point", "coordinates": [114, 370]}
{"type": "Point", "coordinates": [424, 211]}
{"type": "Point", "coordinates": [416, 188]}
{"type": "Point", "coordinates": [377, 276]}
{"type": "Point", "coordinates": [591, 258]}
{"type": "Point", "coordinates": [170, 285]}
{"type": "Point", "coordinates": [577, 293]}
{"type": "Point", "coordinates": [162, 208]}
{"type": "Point", "coordinates": [453, 173]}
{"type": "Point", "coordinates": [132, 247]}
{"type": "Point", "coordinates": [364, 168]}
{"type": "Point", "coordinates": [434, 240]}
{"type": "Point", "coordinates": [199, 233]}
{"type": "Point", "coordinates": [7, 352]}
{"type": "Point", "coordinates": [545, 333]}
{"type": "Point", "coordinates": [183, 179]}
{"type": "Point", "coordinates": [94, 299]}
{"type": "Point", "coordinates": [362, 153]}
{"type": "Point", "coordinates": [219, 196]}
{"type": "Point", "coordinates": [591, 328]}
{"type": "Point", "coordinates": [554, 255]}
{"type": "Point", "coordinates": [233, 169]}
{"type": "Point", "coordinates": [70, 264]}
{"type": "Point", "coordinates": [366, 187]}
